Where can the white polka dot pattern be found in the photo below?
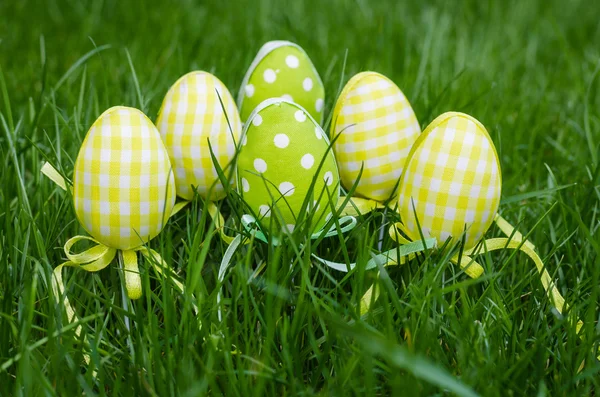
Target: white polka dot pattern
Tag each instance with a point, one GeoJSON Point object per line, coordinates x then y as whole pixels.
{"type": "Point", "coordinates": [277, 167]}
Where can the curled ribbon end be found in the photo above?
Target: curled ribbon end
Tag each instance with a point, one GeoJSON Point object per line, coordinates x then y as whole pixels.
{"type": "Point", "coordinates": [53, 175]}
{"type": "Point", "coordinates": [133, 282]}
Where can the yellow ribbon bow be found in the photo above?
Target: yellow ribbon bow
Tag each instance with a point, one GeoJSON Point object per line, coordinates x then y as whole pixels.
{"type": "Point", "coordinates": [100, 256]}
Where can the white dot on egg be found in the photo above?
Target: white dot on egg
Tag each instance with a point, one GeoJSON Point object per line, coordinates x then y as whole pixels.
{"type": "Point", "coordinates": [281, 141]}
{"type": "Point", "coordinates": [249, 90]}
{"type": "Point", "coordinates": [260, 165]}
{"type": "Point", "coordinates": [314, 207]}
{"type": "Point", "coordinates": [300, 116]}
{"type": "Point", "coordinates": [270, 76]}
{"type": "Point", "coordinates": [286, 188]}
{"type": "Point", "coordinates": [244, 139]}
{"type": "Point", "coordinates": [289, 228]}
{"type": "Point", "coordinates": [257, 120]}
{"type": "Point", "coordinates": [328, 178]}
{"type": "Point", "coordinates": [318, 132]}
{"type": "Point", "coordinates": [307, 84]}
{"type": "Point", "coordinates": [264, 211]}
{"type": "Point", "coordinates": [307, 161]}
{"type": "Point", "coordinates": [245, 185]}
{"type": "Point", "coordinates": [292, 61]}
{"type": "Point", "coordinates": [319, 105]}
{"type": "Point", "coordinates": [287, 97]}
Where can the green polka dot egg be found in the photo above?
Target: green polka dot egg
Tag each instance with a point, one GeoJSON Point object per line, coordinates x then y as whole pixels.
{"type": "Point", "coordinates": [283, 150]}
{"type": "Point", "coordinates": [451, 182]}
{"type": "Point", "coordinates": [282, 69]}
{"type": "Point", "coordinates": [376, 127]}
{"type": "Point", "coordinates": [191, 117]}
{"type": "Point", "coordinates": [123, 187]}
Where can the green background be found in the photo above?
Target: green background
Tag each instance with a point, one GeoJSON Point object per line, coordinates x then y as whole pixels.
{"type": "Point", "coordinates": [526, 69]}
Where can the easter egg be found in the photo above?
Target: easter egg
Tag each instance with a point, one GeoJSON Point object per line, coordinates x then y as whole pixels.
{"type": "Point", "coordinates": [191, 117]}
{"type": "Point", "coordinates": [451, 182]}
{"type": "Point", "coordinates": [282, 69]}
{"type": "Point", "coordinates": [123, 187]}
{"type": "Point", "coordinates": [284, 160]}
{"type": "Point", "coordinates": [376, 127]}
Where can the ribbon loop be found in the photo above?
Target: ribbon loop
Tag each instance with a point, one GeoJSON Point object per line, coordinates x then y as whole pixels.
{"type": "Point", "coordinates": [346, 223]}
{"type": "Point", "coordinates": [469, 265]}
{"type": "Point", "coordinates": [219, 221]}
{"type": "Point", "coordinates": [92, 259]}
{"type": "Point", "coordinates": [395, 233]}
{"type": "Point", "coordinates": [510, 230]}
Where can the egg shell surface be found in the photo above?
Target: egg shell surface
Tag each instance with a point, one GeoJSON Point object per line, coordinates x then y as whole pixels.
{"type": "Point", "coordinates": [123, 187]}
{"type": "Point", "coordinates": [452, 181]}
{"type": "Point", "coordinates": [190, 117]}
{"type": "Point", "coordinates": [282, 150]}
{"type": "Point", "coordinates": [282, 69]}
{"type": "Point", "coordinates": [377, 128]}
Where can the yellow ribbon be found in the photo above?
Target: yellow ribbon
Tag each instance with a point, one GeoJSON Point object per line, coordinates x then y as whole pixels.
{"type": "Point", "coordinates": [52, 173]}
{"type": "Point", "coordinates": [357, 206]}
{"type": "Point", "coordinates": [97, 258]}
{"type": "Point", "coordinates": [475, 270]}
{"type": "Point", "coordinates": [100, 256]}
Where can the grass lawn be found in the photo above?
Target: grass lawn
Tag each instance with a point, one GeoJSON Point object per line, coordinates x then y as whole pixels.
{"type": "Point", "coordinates": [528, 70]}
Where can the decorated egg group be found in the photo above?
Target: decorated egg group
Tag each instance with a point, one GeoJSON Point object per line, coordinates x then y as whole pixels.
{"type": "Point", "coordinates": [375, 128]}
{"type": "Point", "coordinates": [192, 121]}
{"type": "Point", "coordinates": [284, 160]}
{"type": "Point", "coordinates": [123, 187]}
{"type": "Point", "coordinates": [451, 181]}
{"type": "Point", "coordinates": [282, 69]}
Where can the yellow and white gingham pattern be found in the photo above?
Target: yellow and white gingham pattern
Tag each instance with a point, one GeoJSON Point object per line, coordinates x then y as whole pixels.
{"type": "Point", "coordinates": [190, 116]}
{"type": "Point", "coordinates": [377, 128]}
{"type": "Point", "coordinates": [123, 187]}
{"type": "Point", "coordinates": [453, 178]}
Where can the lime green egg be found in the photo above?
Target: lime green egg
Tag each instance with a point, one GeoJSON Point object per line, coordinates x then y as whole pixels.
{"type": "Point", "coordinates": [284, 160]}
{"type": "Point", "coordinates": [282, 69]}
{"type": "Point", "coordinates": [123, 187]}
{"type": "Point", "coordinates": [452, 182]}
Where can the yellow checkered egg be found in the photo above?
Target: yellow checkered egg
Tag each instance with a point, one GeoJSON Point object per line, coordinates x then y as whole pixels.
{"type": "Point", "coordinates": [376, 127]}
{"type": "Point", "coordinates": [192, 121]}
{"type": "Point", "coordinates": [451, 182]}
{"type": "Point", "coordinates": [286, 171]}
{"type": "Point", "coordinates": [123, 187]}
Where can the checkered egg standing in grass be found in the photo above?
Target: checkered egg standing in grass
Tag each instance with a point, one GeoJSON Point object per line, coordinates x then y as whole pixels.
{"type": "Point", "coordinates": [190, 117]}
{"type": "Point", "coordinates": [451, 181]}
{"type": "Point", "coordinates": [283, 150]}
{"type": "Point", "coordinates": [123, 187]}
{"type": "Point", "coordinates": [376, 127]}
{"type": "Point", "coordinates": [282, 69]}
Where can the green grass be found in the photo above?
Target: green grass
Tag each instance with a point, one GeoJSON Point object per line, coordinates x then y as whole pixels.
{"type": "Point", "coordinates": [528, 70]}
